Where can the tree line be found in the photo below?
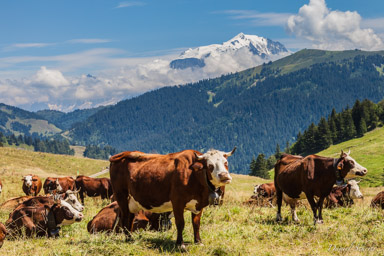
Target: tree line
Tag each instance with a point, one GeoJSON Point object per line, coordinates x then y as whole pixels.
{"type": "Point", "coordinates": [53, 146]}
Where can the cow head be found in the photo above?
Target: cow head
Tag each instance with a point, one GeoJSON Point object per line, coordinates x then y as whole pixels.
{"type": "Point", "coordinates": [27, 180]}
{"type": "Point", "coordinates": [71, 198]}
{"type": "Point", "coordinates": [349, 167]}
{"type": "Point", "coordinates": [65, 214]}
{"type": "Point", "coordinates": [217, 165]}
{"type": "Point", "coordinates": [255, 190]}
{"type": "Point", "coordinates": [354, 190]}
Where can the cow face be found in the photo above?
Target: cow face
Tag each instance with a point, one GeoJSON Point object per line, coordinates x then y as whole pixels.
{"type": "Point", "coordinates": [68, 214]}
{"type": "Point", "coordinates": [71, 198]}
{"type": "Point", "coordinates": [28, 180]}
{"type": "Point", "coordinates": [255, 190]}
{"type": "Point", "coordinates": [348, 164]}
{"type": "Point", "coordinates": [354, 191]}
{"type": "Point", "coordinates": [217, 164]}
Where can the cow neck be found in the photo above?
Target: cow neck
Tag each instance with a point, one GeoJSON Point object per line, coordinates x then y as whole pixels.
{"type": "Point", "coordinates": [339, 177]}
{"type": "Point", "coordinates": [212, 190]}
{"type": "Point", "coordinates": [51, 220]}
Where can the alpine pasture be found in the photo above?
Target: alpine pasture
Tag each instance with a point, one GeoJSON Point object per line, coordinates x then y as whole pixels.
{"type": "Point", "coordinates": [231, 229]}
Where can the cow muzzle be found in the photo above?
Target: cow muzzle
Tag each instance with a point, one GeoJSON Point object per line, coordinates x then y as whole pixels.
{"type": "Point", "coordinates": [225, 178]}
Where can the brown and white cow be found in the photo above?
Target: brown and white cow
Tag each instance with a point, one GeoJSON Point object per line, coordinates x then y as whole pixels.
{"type": "Point", "coordinates": [42, 220]}
{"type": "Point", "coordinates": [343, 195]}
{"type": "Point", "coordinates": [31, 185]}
{"type": "Point", "coordinates": [93, 187]}
{"type": "Point", "coordinates": [161, 183]}
{"type": "Point", "coordinates": [3, 234]}
{"type": "Point", "coordinates": [265, 190]}
{"type": "Point", "coordinates": [312, 176]}
{"type": "Point", "coordinates": [108, 220]}
{"type": "Point", "coordinates": [378, 200]}
{"type": "Point", "coordinates": [60, 185]}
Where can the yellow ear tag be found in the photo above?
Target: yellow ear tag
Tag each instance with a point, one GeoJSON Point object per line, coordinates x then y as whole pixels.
{"type": "Point", "coordinates": [339, 167]}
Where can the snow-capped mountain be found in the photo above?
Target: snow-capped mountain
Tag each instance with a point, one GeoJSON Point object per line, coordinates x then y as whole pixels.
{"type": "Point", "coordinates": [262, 47]}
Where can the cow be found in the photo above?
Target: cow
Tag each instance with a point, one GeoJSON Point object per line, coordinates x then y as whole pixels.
{"type": "Point", "coordinates": [3, 234]}
{"type": "Point", "coordinates": [42, 220]}
{"type": "Point", "coordinates": [93, 187]}
{"type": "Point", "coordinates": [108, 220]}
{"type": "Point", "coordinates": [265, 190]}
{"type": "Point", "coordinates": [31, 185]}
{"type": "Point", "coordinates": [378, 200]}
{"type": "Point", "coordinates": [175, 182]}
{"type": "Point", "coordinates": [68, 197]}
{"type": "Point", "coordinates": [312, 176]}
{"type": "Point", "coordinates": [60, 185]}
{"type": "Point", "coordinates": [343, 195]}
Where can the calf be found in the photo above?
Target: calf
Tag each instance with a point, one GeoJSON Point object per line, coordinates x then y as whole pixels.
{"type": "Point", "coordinates": [343, 195]}
{"type": "Point", "coordinates": [108, 220]}
{"type": "Point", "coordinates": [312, 176]}
{"type": "Point", "coordinates": [31, 185]}
{"type": "Point", "coordinates": [42, 220]}
{"type": "Point", "coordinates": [175, 182]}
{"type": "Point", "coordinates": [3, 234]}
{"type": "Point", "coordinates": [378, 200]}
{"type": "Point", "coordinates": [265, 190]}
{"type": "Point", "coordinates": [93, 187]}
{"type": "Point", "coordinates": [60, 185]}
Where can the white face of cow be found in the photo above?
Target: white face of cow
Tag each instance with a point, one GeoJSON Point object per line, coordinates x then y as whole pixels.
{"type": "Point", "coordinates": [28, 180]}
{"type": "Point", "coordinates": [73, 201]}
{"type": "Point", "coordinates": [77, 216]}
{"type": "Point", "coordinates": [217, 162]}
{"type": "Point", "coordinates": [355, 190]}
{"type": "Point", "coordinates": [58, 186]}
{"type": "Point", "coordinates": [355, 168]}
{"type": "Point", "coordinates": [255, 189]}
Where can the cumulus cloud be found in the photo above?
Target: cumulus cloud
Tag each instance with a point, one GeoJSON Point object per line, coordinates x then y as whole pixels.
{"type": "Point", "coordinates": [50, 78]}
{"type": "Point", "coordinates": [333, 30]}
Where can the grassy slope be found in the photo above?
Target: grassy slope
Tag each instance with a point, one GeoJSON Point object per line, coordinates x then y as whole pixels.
{"type": "Point", "coordinates": [368, 151]}
{"type": "Point", "coordinates": [233, 229]}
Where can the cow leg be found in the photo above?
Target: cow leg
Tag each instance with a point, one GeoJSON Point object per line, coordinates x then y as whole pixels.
{"type": "Point", "coordinates": [313, 206]}
{"type": "Point", "coordinates": [279, 195]}
{"type": "Point", "coordinates": [81, 194]}
{"type": "Point", "coordinates": [320, 207]}
{"type": "Point", "coordinates": [126, 216]}
{"type": "Point", "coordinates": [293, 210]}
{"type": "Point", "coordinates": [196, 226]}
{"type": "Point", "coordinates": [179, 219]}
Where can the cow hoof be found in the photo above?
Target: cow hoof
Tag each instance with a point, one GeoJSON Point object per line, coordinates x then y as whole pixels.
{"type": "Point", "coordinates": [297, 221]}
{"type": "Point", "coordinates": [182, 248]}
{"type": "Point", "coordinates": [319, 222]}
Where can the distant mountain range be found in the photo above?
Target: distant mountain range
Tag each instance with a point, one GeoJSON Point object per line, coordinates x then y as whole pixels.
{"type": "Point", "coordinates": [254, 109]}
{"type": "Point", "coordinates": [241, 44]}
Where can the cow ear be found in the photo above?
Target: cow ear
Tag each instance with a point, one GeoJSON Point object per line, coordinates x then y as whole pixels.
{"type": "Point", "coordinates": [309, 165]}
{"type": "Point", "coordinates": [197, 166]}
{"type": "Point", "coordinates": [340, 165]}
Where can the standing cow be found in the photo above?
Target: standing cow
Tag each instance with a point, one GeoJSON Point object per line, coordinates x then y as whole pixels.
{"type": "Point", "coordinates": [31, 185]}
{"type": "Point", "coordinates": [60, 185]}
{"type": "Point", "coordinates": [313, 176]}
{"type": "Point", "coordinates": [93, 187]}
{"type": "Point", "coordinates": [175, 182]}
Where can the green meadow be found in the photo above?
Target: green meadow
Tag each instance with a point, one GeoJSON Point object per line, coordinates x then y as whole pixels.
{"type": "Point", "coordinates": [232, 229]}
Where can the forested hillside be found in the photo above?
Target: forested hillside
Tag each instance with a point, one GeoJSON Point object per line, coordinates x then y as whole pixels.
{"type": "Point", "coordinates": [253, 110]}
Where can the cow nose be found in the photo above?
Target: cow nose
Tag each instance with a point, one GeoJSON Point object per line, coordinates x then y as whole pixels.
{"type": "Point", "coordinates": [81, 215]}
{"type": "Point", "coordinates": [225, 177]}
{"type": "Point", "coordinates": [365, 171]}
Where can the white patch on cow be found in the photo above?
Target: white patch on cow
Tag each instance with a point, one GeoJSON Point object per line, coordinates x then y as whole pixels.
{"type": "Point", "coordinates": [28, 180]}
{"type": "Point", "coordinates": [357, 170]}
{"type": "Point", "coordinates": [135, 207]}
{"type": "Point", "coordinates": [255, 189]}
{"type": "Point", "coordinates": [1, 189]}
{"type": "Point", "coordinates": [217, 160]}
{"type": "Point", "coordinates": [191, 206]}
{"type": "Point", "coordinates": [355, 190]}
{"type": "Point", "coordinates": [77, 215]}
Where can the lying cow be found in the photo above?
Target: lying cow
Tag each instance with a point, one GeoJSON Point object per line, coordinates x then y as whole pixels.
{"type": "Point", "coordinates": [60, 185]}
{"type": "Point", "coordinates": [68, 197]}
{"type": "Point", "coordinates": [343, 195]}
{"type": "Point", "coordinates": [93, 187]}
{"type": "Point", "coordinates": [175, 182]}
{"type": "Point", "coordinates": [108, 220]}
{"type": "Point", "coordinates": [378, 200]}
{"type": "Point", "coordinates": [3, 234]}
{"type": "Point", "coordinates": [31, 185]}
{"type": "Point", "coordinates": [42, 220]}
{"type": "Point", "coordinates": [263, 195]}
{"type": "Point", "coordinates": [312, 176]}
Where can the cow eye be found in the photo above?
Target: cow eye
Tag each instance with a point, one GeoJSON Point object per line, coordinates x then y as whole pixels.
{"type": "Point", "coordinates": [351, 163]}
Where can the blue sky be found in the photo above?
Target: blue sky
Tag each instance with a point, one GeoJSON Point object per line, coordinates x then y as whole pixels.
{"type": "Point", "coordinates": [66, 39]}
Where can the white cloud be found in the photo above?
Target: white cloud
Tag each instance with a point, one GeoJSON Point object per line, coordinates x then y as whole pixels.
{"type": "Point", "coordinates": [50, 78]}
{"type": "Point", "coordinates": [333, 30]}
{"type": "Point", "coordinates": [259, 19]}
{"type": "Point", "coordinates": [129, 4]}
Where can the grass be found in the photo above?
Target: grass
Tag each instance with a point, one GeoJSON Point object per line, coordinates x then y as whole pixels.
{"type": "Point", "coordinates": [232, 229]}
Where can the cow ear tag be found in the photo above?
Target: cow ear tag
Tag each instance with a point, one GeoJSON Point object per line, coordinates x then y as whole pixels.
{"type": "Point", "coordinates": [339, 167]}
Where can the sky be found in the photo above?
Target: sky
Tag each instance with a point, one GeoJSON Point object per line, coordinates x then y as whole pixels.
{"type": "Point", "coordinates": [67, 54]}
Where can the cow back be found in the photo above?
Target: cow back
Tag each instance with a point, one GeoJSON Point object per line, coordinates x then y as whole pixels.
{"type": "Point", "coordinates": [105, 220]}
{"type": "Point", "coordinates": [378, 200]}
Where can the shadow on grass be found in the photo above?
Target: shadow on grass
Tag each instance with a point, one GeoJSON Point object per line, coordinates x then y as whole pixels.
{"type": "Point", "coordinates": [164, 245]}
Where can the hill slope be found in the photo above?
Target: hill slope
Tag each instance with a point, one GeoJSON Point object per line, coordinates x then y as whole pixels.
{"type": "Point", "coordinates": [253, 109]}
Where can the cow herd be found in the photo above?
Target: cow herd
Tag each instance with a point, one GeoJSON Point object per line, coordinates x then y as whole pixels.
{"type": "Point", "coordinates": [147, 190]}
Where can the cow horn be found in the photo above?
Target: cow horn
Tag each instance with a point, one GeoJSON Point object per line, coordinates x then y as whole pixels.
{"type": "Point", "coordinates": [199, 157]}
{"type": "Point", "coordinates": [342, 153]}
{"type": "Point", "coordinates": [349, 152]}
{"type": "Point", "coordinates": [230, 153]}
